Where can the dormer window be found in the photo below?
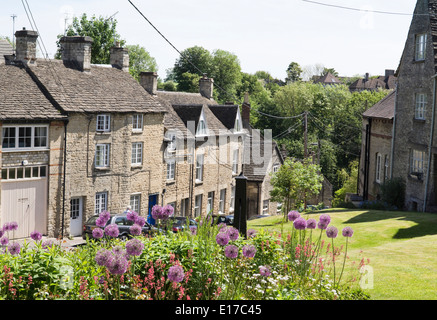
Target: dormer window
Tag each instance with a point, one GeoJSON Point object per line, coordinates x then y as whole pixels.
{"type": "Point", "coordinates": [420, 47]}
{"type": "Point", "coordinates": [201, 127]}
{"type": "Point", "coordinates": [237, 125]}
{"type": "Point", "coordinates": [103, 123]}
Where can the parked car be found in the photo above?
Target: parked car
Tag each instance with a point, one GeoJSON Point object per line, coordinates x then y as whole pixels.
{"type": "Point", "coordinates": [258, 216]}
{"type": "Point", "coordinates": [180, 223]}
{"type": "Point", "coordinates": [121, 221]}
{"type": "Point", "coordinates": [228, 220]}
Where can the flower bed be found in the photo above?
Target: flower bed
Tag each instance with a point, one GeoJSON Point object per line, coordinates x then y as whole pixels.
{"type": "Point", "coordinates": [206, 263]}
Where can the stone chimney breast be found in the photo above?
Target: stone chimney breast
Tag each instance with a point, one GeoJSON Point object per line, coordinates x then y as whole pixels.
{"type": "Point", "coordinates": [76, 52]}
{"type": "Point", "coordinates": [206, 86]}
{"type": "Point", "coordinates": [119, 57]}
{"type": "Point", "coordinates": [26, 46]}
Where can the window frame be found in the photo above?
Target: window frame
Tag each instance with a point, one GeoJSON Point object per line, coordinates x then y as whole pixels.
{"type": "Point", "coordinates": [199, 167]}
{"type": "Point", "coordinates": [137, 154]}
{"type": "Point", "coordinates": [417, 162]}
{"type": "Point", "coordinates": [137, 122]}
{"type": "Point", "coordinates": [420, 46]}
{"type": "Point", "coordinates": [378, 167]}
{"type": "Point", "coordinates": [235, 161]}
{"type": "Point", "coordinates": [171, 169]}
{"type": "Point", "coordinates": [210, 202]}
{"type": "Point", "coordinates": [135, 202]}
{"type": "Point", "coordinates": [198, 206]}
{"type": "Point", "coordinates": [99, 196]}
{"type": "Point", "coordinates": [421, 101]}
{"type": "Point", "coordinates": [16, 137]}
{"type": "Point", "coordinates": [222, 200]}
{"type": "Point", "coordinates": [105, 154]}
{"type": "Point", "coordinates": [106, 122]}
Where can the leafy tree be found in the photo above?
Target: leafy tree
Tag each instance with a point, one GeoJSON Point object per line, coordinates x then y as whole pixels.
{"type": "Point", "coordinates": [194, 60]}
{"type": "Point", "coordinates": [226, 71]}
{"type": "Point", "coordinates": [294, 72]}
{"type": "Point", "coordinates": [140, 60]}
{"type": "Point", "coordinates": [101, 30]}
{"type": "Point", "coordinates": [295, 182]}
{"type": "Point", "coordinates": [329, 70]}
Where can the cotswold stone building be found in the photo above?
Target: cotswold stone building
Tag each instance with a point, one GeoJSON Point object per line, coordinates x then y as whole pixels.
{"type": "Point", "coordinates": [88, 134]}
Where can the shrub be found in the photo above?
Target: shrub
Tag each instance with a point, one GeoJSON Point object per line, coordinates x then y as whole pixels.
{"type": "Point", "coordinates": [393, 192]}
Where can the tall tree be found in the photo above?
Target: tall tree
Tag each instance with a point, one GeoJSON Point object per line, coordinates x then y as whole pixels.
{"type": "Point", "coordinates": [140, 60]}
{"type": "Point", "coordinates": [103, 32]}
{"type": "Point", "coordinates": [226, 71]}
{"type": "Point", "coordinates": [194, 60]}
{"type": "Point", "coordinates": [294, 72]}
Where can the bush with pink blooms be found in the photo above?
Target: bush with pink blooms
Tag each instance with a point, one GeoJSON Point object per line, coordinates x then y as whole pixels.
{"type": "Point", "coordinates": [209, 262]}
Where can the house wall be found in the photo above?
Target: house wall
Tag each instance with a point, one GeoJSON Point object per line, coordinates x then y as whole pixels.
{"type": "Point", "coordinates": [121, 179]}
{"type": "Point", "coordinates": [380, 143]}
{"type": "Point", "coordinates": [414, 77]}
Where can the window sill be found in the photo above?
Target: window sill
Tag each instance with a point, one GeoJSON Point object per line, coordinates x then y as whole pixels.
{"type": "Point", "coordinates": [416, 177]}
{"type": "Point", "coordinates": [419, 61]}
{"type": "Point", "coordinates": [137, 131]}
{"type": "Point", "coordinates": [418, 120]}
{"type": "Point", "coordinates": [169, 182]}
{"type": "Point", "coordinates": [4, 150]}
{"type": "Point", "coordinates": [198, 181]}
{"type": "Point", "coordinates": [102, 168]}
{"type": "Point", "coordinates": [136, 166]}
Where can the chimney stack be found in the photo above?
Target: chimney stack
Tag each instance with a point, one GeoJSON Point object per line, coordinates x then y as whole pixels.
{"type": "Point", "coordinates": [76, 52]}
{"type": "Point", "coordinates": [26, 46]}
{"type": "Point", "coordinates": [206, 87]}
{"type": "Point", "coordinates": [149, 81]}
{"type": "Point", "coordinates": [245, 111]}
{"type": "Point", "coordinates": [389, 72]}
{"type": "Point", "coordinates": [119, 57]}
{"type": "Point", "coordinates": [366, 78]}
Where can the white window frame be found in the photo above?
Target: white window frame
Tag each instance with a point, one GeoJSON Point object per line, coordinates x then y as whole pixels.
{"type": "Point", "coordinates": [16, 138]}
{"type": "Point", "coordinates": [420, 106]}
{"type": "Point", "coordinates": [222, 201]}
{"type": "Point", "coordinates": [199, 167]}
{"type": "Point", "coordinates": [386, 167]}
{"type": "Point", "coordinates": [235, 160]}
{"type": "Point", "coordinates": [266, 204]}
{"type": "Point", "coordinates": [275, 168]}
{"type": "Point", "coordinates": [417, 161]}
{"type": "Point", "coordinates": [103, 123]}
{"type": "Point", "coordinates": [171, 168]}
{"type": "Point", "coordinates": [420, 47]}
{"type": "Point", "coordinates": [198, 205]}
{"type": "Point", "coordinates": [137, 122]}
{"type": "Point", "coordinates": [378, 167]}
{"type": "Point", "coordinates": [101, 202]}
{"type": "Point", "coordinates": [102, 155]}
{"type": "Point", "coordinates": [210, 202]}
{"type": "Point", "coordinates": [232, 202]}
{"type": "Point", "coordinates": [184, 207]}
{"type": "Point", "coordinates": [171, 146]}
{"type": "Point", "coordinates": [202, 127]}
{"type": "Point", "coordinates": [135, 202]}
{"type": "Point", "coordinates": [137, 154]}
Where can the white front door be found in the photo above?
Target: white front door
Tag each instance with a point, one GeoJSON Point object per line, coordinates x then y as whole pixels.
{"type": "Point", "coordinates": [76, 217]}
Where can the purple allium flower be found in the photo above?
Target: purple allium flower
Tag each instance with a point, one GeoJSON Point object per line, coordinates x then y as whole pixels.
{"type": "Point", "coordinates": [111, 230]}
{"type": "Point", "coordinates": [167, 212]}
{"type": "Point", "coordinates": [325, 219]}
{"type": "Point", "coordinates": [13, 225]}
{"type": "Point", "coordinates": [118, 250]}
{"type": "Point", "coordinates": [231, 251]}
{"type": "Point", "coordinates": [157, 212]}
{"type": "Point", "coordinates": [117, 264]}
{"type": "Point", "coordinates": [141, 221]}
{"type": "Point", "coordinates": [1, 232]}
{"type": "Point", "coordinates": [35, 235]}
{"type": "Point", "coordinates": [131, 216]}
{"type": "Point", "coordinates": [293, 215]}
{"type": "Point", "coordinates": [102, 257]}
{"type": "Point", "coordinates": [134, 247]}
{"type": "Point", "coordinates": [265, 271]}
{"type": "Point", "coordinates": [251, 233]}
{"type": "Point", "coordinates": [221, 225]}
{"type": "Point", "coordinates": [331, 232]}
{"type": "Point", "coordinates": [47, 244]}
{"type": "Point", "coordinates": [193, 230]}
{"type": "Point", "coordinates": [97, 233]}
{"type": "Point", "coordinates": [4, 241]}
{"type": "Point", "coordinates": [14, 248]}
{"type": "Point", "coordinates": [311, 224]}
{"type": "Point", "coordinates": [100, 222]}
{"type": "Point", "coordinates": [233, 233]}
{"type": "Point", "coordinates": [6, 227]}
{"type": "Point", "coordinates": [176, 273]}
{"type": "Point", "coordinates": [222, 238]}
{"type": "Point", "coordinates": [105, 215]}
{"type": "Point", "coordinates": [249, 251]}
{"type": "Point", "coordinates": [135, 230]}
{"type": "Point", "coordinates": [300, 223]}
{"type": "Point", "coordinates": [347, 232]}
{"type": "Point", "coordinates": [321, 225]}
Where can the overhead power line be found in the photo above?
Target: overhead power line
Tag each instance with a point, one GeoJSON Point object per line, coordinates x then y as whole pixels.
{"type": "Point", "coordinates": [364, 10]}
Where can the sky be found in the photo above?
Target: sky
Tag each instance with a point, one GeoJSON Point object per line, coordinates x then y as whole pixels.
{"type": "Point", "coordinates": [265, 35]}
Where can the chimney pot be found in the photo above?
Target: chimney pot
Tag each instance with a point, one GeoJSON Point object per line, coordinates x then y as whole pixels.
{"type": "Point", "coordinates": [149, 81]}
{"type": "Point", "coordinates": [76, 51]}
{"type": "Point", "coordinates": [245, 111]}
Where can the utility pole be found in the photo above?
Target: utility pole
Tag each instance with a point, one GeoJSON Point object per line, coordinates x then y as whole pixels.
{"type": "Point", "coordinates": [305, 134]}
{"type": "Point", "coordinates": [13, 31]}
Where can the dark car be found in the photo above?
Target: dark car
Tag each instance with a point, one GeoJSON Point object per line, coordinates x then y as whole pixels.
{"type": "Point", "coordinates": [180, 223]}
{"type": "Point", "coordinates": [228, 220]}
{"type": "Point", "coordinates": [121, 221]}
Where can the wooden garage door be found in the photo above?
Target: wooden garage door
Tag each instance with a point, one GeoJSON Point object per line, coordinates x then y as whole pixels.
{"type": "Point", "coordinates": [25, 201]}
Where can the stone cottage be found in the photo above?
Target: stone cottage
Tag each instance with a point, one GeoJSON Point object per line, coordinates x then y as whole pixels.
{"type": "Point", "coordinates": [111, 140]}
{"type": "Point", "coordinates": [414, 140]}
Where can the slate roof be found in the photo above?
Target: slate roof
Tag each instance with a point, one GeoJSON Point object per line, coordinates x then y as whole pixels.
{"type": "Point", "coordinates": [226, 114]}
{"type": "Point", "coordinates": [5, 49]}
{"type": "Point", "coordinates": [328, 79]}
{"type": "Point", "coordinates": [373, 84]}
{"type": "Point", "coordinates": [384, 109]}
{"type": "Point", "coordinates": [21, 98]}
{"type": "Point", "coordinates": [103, 89]}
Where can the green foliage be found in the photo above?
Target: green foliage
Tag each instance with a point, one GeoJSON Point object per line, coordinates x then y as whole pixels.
{"type": "Point", "coordinates": [294, 182]}
{"type": "Point", "coordinates": [103, 32]}
{"type": "Point", "coordinates": [348, 181]}
{"type": "Point", "coordinates": [294, 72]}
{"type": "Point", "coordinates": [140, 60]}
{"type": "Point", "coordinates": [393, 192]}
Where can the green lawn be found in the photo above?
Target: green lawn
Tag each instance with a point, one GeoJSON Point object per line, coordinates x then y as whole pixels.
{"type": "Point", "coordinates": [401, 246]}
